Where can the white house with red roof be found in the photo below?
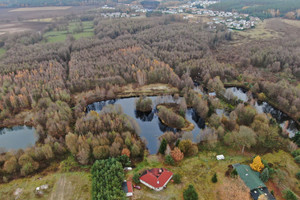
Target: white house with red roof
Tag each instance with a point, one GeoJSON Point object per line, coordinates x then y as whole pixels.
{"type": "Point", "coordinates": [156, 178]}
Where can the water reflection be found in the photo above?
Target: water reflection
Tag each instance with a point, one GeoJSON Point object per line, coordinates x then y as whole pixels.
{"type": "Point", "coordinates": [17, 137]}
{"type": "Point", "coordinates": [264, 107]}
{"type": "Point", "coordinates": [240, 93]}
{"type": "Point", "coordinates": [150, 125]}
{"type": "Point", "coordinates": [144, 116]}
{"type": "Point", "coordinates": [281, 118]}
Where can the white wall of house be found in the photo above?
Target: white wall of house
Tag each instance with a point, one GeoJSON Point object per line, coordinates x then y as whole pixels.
{"type": "Point", "coordinates": [129, 194]}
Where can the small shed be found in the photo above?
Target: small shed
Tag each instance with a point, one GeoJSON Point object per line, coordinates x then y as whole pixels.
{"type": "Point", "coordinates": [127, 188]}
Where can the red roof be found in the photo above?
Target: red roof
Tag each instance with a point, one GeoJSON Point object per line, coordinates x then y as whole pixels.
{"type": "Point", "coordinates": [157, 177]}
{"type": "Point", "coordinates": [129, 186]}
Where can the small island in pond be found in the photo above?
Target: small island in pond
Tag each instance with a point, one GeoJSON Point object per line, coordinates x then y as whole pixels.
{"type": "Point", "coordinates": [171, 115]}
{"type": "Point", "coordinates": [143, 104]}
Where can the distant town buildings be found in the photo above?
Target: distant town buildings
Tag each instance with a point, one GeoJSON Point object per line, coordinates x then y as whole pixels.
{"type": "Point", "coordinates": [189, 10]}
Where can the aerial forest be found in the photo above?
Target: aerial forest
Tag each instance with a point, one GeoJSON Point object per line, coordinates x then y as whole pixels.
{"type": "Point", "coordinates": [54, 82]}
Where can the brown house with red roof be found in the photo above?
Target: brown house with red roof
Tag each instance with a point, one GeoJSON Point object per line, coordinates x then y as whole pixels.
{"type": "Point", "coordinates": [156, 178]}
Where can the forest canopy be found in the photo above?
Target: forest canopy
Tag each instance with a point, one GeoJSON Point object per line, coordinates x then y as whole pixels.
{"type": "Point", "coordinates": [107, 178]}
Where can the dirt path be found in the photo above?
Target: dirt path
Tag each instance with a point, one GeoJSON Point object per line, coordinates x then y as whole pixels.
{"type": "Point", "coordinates": [59, 189]}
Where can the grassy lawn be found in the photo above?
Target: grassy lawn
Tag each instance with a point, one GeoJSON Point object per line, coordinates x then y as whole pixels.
{"type": "Point", "coordinates": [197, 170]}
{"type": "Point", "coordinates": [2, 52]}
{"type": "Point", "coordinates": [62, 186]}
{"type": "Point", "coordinates": [60, 36]}
{"type": "Point", "coordinates": [295, 23]}
{"type": "Point", "coordinates": [285, 162]}
{"type": "Point", "coordinates": [259, 32]}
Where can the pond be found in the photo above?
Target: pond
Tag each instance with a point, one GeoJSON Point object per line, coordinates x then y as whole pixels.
{"type": "Point", "coordinates": [150, 125]}
{"type": "Point", "coordinates": [263, 107]}
{"type": "Point", "coordinates": [17, 137]}
{"type": "Point", "coordinates": [240, 93]}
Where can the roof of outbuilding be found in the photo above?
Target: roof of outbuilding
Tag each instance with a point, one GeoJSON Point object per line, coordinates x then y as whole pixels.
{"type": "Point", "coordinates": [129, 186]}
{"type": "Point", "coordinates": [156, 177]}
{"type": "Point", "coordinates": [250, 177]}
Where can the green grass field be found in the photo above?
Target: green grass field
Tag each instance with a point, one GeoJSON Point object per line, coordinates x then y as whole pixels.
{"type": "Point", "coordinates": [197, 170]}
{"type": "Point", "coordinates": [62, 186]}
{"type": "Point", "coordinates": [2, 52]}
{"type": "Point", "coordinates": [60, 36]}
{"type": "Point", "coordinates": [259, 32]}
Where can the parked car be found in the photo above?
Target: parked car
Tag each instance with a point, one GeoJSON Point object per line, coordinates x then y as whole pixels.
{"type": "Point", "coordinates": [127, 168]}
{"type": "Point", "coordinates": [137, 187]}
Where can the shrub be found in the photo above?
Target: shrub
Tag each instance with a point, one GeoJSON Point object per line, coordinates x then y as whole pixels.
{"type": "Point", "coordinates": [177, 143]}
{"type": "Point", "coordinates": [190, 193]}
{"type": "Point", "coordinates": [214, 179]}
{"type": "Point", "coordinates": [177, 178]}
{"type": "Point", "coordinates": [136, 178]}
{"type": "Point", "coordinates": [245, 114]}
{"type": "Point", "coordinates": [298, 175]}
{"type": "Point", "coordinates": [47, 150]}
{"type": "Point", "coordinates": [27, 168]}
{"type": "Point", "coordinates": [169, 160]}
{"type": "Point", "coordinates": [296, 138]}
{"type": "Point", "coordinates": [289, 195]}
{"type": "Point", "coordinates": [264, 176]}
{"type": "Point", "coordinates": [186, 146]}
{"type": "Point", "coordinates": [124, 160]}
{"type": "Point", "coordinates": [101, 152]}
{"type": "Point", "coordinates": [68, 164]}
{"type": "Point", "coordinates": [297, 159]}
{"type": "Point", "coordinates": [257, 165]}
{"type": "Point", "coordinates": [296, 153]}
{"type": "Point", "coordinates": [234, 173]}
{"type": "Point", "coordinates": [11, 165]}
{"type": "Point", "coordinates": [177, 155]}
{"type": "Point", "coordinates": [144, 104]}
{"type": "Point", "coordinates": [126, 152]}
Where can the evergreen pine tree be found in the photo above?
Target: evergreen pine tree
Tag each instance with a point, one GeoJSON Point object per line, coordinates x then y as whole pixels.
{"type": "Point", "coordinates": [190, 193]}
{"type": "Point", "coordinates": [214, 179]}
{"type": "Point", "coordinates": [264, 176]}
{"type": "Point", "coordinates": [163, 146]}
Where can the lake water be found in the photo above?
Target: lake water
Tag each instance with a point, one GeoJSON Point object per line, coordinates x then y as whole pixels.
{"type": "Point", "coordinates": [264, 107]}
{"type": "Point", "coordinates": [150, 125]}
{"type": "Point", "coordinates": [17, 137]}
{"type": "Point", "coordinates": [240, 93]}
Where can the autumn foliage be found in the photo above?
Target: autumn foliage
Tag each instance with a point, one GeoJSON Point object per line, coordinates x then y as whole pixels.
{"type": "Point", "coordinates": [126, 152]}
{"type": "Point", "coordinates": [177, 155]}
{"type": "Point", "coordinates": [257, 165]}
